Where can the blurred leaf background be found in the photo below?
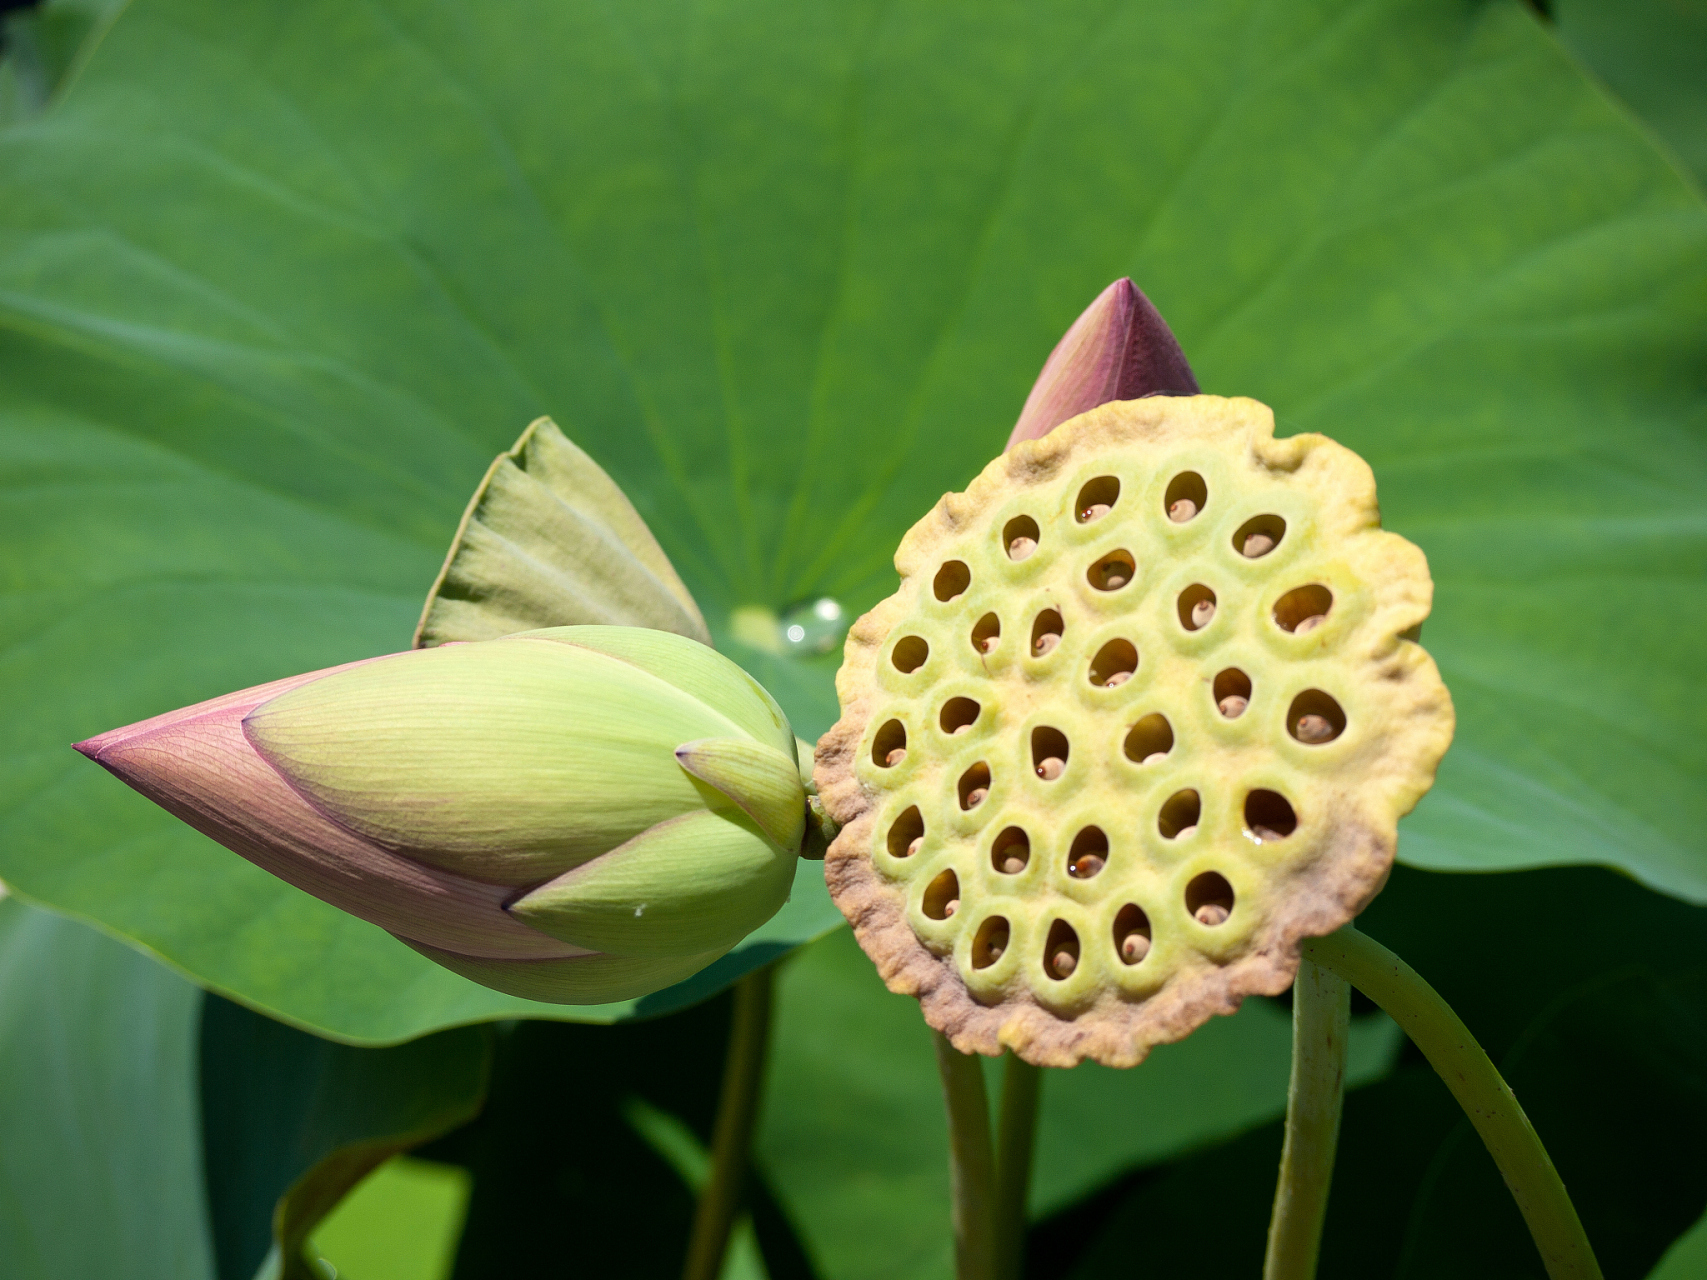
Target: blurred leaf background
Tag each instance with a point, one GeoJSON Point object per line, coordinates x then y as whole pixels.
{"type": "Point", "coordinates": [276, 282]}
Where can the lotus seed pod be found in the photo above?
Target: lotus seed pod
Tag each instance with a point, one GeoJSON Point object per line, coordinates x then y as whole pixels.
{"type": "Point", "coordinates": [1126, 858]}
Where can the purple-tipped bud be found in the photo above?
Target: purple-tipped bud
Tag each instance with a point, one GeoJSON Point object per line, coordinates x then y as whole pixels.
{"type": "Point", "coordinates": [1120, 348]}
{"type": "Point", "coordinates": [578, 814]}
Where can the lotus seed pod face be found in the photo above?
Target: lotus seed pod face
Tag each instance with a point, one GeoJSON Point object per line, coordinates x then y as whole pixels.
{"type": "Point", "coordinates": [1141, 717]}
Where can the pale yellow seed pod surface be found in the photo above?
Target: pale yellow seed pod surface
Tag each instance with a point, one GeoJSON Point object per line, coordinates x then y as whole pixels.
{"type": "Point", "coordinates": [1173, 855]}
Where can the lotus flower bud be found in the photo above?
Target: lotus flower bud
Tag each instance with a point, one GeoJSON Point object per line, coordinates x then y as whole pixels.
{"type": "Point", "coordinates": [1120, 348]}
{"type": "Point", "coordinates": [579, 814]}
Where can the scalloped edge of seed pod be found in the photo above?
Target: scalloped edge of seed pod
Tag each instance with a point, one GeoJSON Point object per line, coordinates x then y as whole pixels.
{"type": "Point", "coordinates": [1356, 854]}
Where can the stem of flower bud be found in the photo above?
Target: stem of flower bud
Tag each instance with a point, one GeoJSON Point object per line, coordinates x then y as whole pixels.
{"type": "Point", "coordinates": [1474, 1080]}
{"type": "Point", "coordinates": [1321, 1020]}
{"type": "Point", "coordinates": [971, 1161]}
{"type": "Point", "coordinates": [737, 1112]}
{"type": "Point", "coordinates": [1021, 1083]}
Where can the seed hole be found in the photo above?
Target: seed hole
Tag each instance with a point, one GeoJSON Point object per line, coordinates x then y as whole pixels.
{"type": "Point", "coordinates": [990, 943]}
{"type": "Point", "coordinates": [986, 633]}
{"type": "Point", "coordinates": [1150, 740]}
{"type": "Point", "coordinates": [1045, 633]}
{"type": "Point", "coordinates": [958, 714]}
{"type": "Point", "coordinates": [942, 896]}
{"type": "Point", "coordinates": [1232, 693]}
{"type": "Point", "coordinates": [1061, 952]}
{"type": "Point", "coordinates": [1114, 664]}
{"type": "Point", "coordinates": [1269, 816]}
{"type": "Point", "coordinates": [1132, 934]}
{"type": "Point", "coordinates": [1048, 753]}
{"type": "Point", "coordinates": [1303, 609]}
{"type": "Point", "coordinates": [1209, 898]}
{"type": "Point", "coordinates": [1258, 536]}
{"type": "Point", "coordinates": [1314, 718]}
{"type": "Point", "coordinates": [1088, 855]}
{"type": "Point", "coordinates": [974, 786]}
{"type": "Point", "coordinates": [1179, 815]}
{"type": "Point", "coordinates": [1020, 536]}
{"type": "Point", "coordinates": [909, 654]}
{"type": "Point", "coordinates": [1113, 571]}
{"type": "Point", "coordinates": [952, 580]}
{"type": "Point", "coordinates": [1186, 496]}
{"type": "Point", "coordinates": [907, 834]}
{"type": "Point", "coordinates": [889, 746]}
{"type": "Point", "coordinates": [1096, 499]}
{"type": "Point", "coordinates": [1196, 607]}
{"type": "Point", "coordinates": [1011, 852]}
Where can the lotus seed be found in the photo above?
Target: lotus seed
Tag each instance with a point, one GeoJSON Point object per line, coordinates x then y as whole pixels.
{"type": "Point", "coordinates": [1182, 510]}
{"type": "Point", "coordinates": [1233, 706]}
{"type": "Point", "coordinates": [914, 845]}
{"type": "Point", "coordinates": [1314, 728]}
{"type": "Point", "coordinates": [953, 905]}
{"type": "Point", "coordinates": [1117, 679]}
{"type": "Point", "coordinates": [1265, 834]}
{"type": "Point", "coordinates": [1045, 643]}
{"type": "Point", "coordinates": [1013, 865]}
{"type": "Point", "coordinates": [1155, 757]}
{"type": "Point", "coordinates": [1096, 511]}
{"type": "Point", "coordinates": [1064, 963]}
{"type": "Point", "coordinates": [988, 644]}
{"type": "Point", "coordinates": [1201, 613]}
{"type": "Point", "coordinates": [1134, 947]}
{"type": "Point", "coordinates": [960, 728]}
{"type": "Point", "coordinates": [1087, 865]}
{"type": "Point", "coordinates": [1050, 768]}
{"type": "Point", "coordinates": [1186, 831]}
{"type": "Point", "coordinates": [1212, 914]}
{"type": "Point", "coordinates": [1021, 547]}
{"type": "Point", "coordinates": [1258, 544]}
{"type": "Point", "coordinates": [994, 951]}
{"type": "Point", "coordinates": [975, 797]}
{"type": "Point", "coordinates": [895, 757]}
{"type": "Point", "coordinates": [1309, 624]}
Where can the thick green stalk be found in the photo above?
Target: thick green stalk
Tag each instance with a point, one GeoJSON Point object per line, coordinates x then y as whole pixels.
{"type": "Point", "coordinates": [1486, 1098]}
{"type": "Point", "coordinates": [1015, 1138]}
{"type": "Point", "coordinates": [1321, 1021]}
{"type": "Point", "coordinates": [737, 1111]}
{"type": "Point", "coordinates": [971, 1162]}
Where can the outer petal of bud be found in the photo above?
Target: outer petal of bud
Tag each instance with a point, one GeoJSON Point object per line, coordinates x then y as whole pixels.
{"type": "Point", "coordinates": [695, 883]}
{"type": "Point", "coordinates": [510, 760]}
{"type": "Point", "coordinates": [763, 781]}
{"type": "Point", "coordinates": [1119, 348]}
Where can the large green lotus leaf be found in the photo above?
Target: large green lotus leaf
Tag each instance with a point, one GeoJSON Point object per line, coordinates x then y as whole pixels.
{"type": "Point", "coordinates": [278, 280]}
{"type": "Point", "coordinates": [291, 1122]}
{"type": "Point", "coordinates": [1652, 54]}
{"type": "Point", "coordinates": [100, 1174]}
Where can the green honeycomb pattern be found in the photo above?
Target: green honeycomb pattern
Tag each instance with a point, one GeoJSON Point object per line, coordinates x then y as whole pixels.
{"type": "Point", "coordinates": [1183, 848]}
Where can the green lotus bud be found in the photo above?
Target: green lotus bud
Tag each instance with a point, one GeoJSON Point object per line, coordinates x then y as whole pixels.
{"type": "Point", "coordinates": [579, 814]}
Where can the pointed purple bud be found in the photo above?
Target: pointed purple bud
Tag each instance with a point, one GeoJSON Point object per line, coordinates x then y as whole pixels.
{"type": "Point", "coordinates": [1120, 348]}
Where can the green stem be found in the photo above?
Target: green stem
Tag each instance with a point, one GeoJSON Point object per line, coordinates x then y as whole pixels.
{"type": "Point", "coordinates": [971, 1162]}
{"type": "Point", "coordinates": [1321, 1020]}
{"type": "Point", "coordinates": [1486, 1098]}
{"type": "Point", "coordinates": [737, 1111]}
{"type": "Point", "coordinates": [1016, 1136]}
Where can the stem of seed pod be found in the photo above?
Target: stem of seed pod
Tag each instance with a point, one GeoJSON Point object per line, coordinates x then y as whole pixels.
{"type": "Point", "coordinates": [737, 1110]}
{"type": "Point", "coordinates": [971, 1162]}
{"type": "Point", "coordinates": [1486, 1098]}
{"type": "Point", "coordinates": [1321, 1022]}
{"type": "Point", "coordinates": [1021, 1083]}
